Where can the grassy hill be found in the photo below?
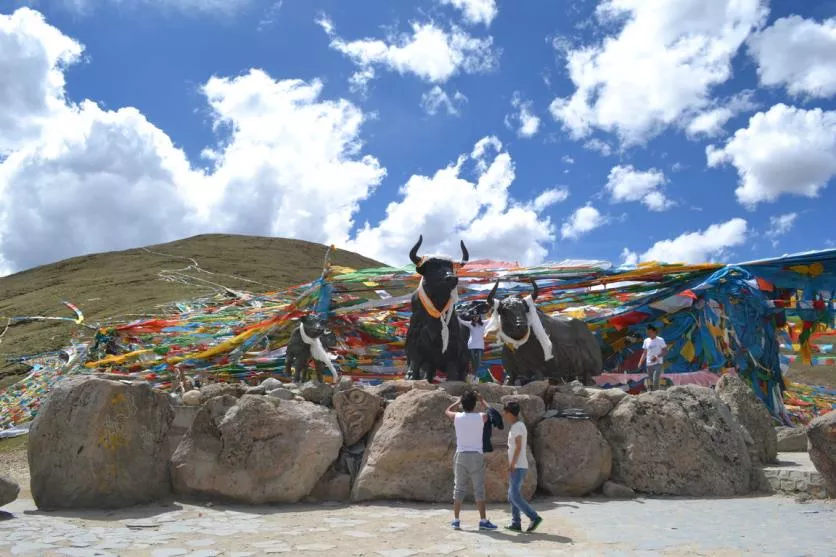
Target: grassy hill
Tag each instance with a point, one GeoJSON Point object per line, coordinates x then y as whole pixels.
{"type": "Point", "coordinates": [127, 284]}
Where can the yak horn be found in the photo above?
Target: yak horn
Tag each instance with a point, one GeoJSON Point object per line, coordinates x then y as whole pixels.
{"type": "Point", "coordinates": [492, 294]}
{"type": "Point", "coordinates": [534, 292]}
{"type": "Point", "coordinates": [413, 253]}
{"type": "Point", "coordinates": [465, 254]}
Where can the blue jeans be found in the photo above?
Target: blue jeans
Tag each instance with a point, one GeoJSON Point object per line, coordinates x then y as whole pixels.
{"type": "Point", "coordinates": [515, 497]}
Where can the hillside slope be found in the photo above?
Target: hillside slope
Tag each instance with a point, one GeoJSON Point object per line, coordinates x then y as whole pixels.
{"type": "Point", "coordinates": [127, 284]}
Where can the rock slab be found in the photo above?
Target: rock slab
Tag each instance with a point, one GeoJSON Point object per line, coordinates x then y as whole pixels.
{"type": "Point", "coordinates": [9, 490]}
{"type": "Point", "coordinates": [822, 448]}
{"type": "Point", "coordinates": [752, 415]}
{"type": "Point", "coordinates": [791, 439]}
{"type": "Point", "coordinates": [357, 411]}
{"type": "Point", "coordinates": [681, 441]}
{"type": "Point", "coordinates": [100, 444]}
{"type": "Point", "coordinates": [573, 458]}
{"type": "Point", "coordinates": [256, 450]}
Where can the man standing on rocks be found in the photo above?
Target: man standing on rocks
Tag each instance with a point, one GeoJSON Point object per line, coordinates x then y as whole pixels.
{"type": "Point", "coordinates": [517, 469]}
{"type": "Point", "coordinates": [653, 351]}
{"type": "Point", "coordinates": [469, 463]}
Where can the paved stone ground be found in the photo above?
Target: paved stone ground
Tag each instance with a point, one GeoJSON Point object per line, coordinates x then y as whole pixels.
{"type": "Point", "coordinates": [757, 526]}
{"type": "Point", "coordinates": [795, 474]}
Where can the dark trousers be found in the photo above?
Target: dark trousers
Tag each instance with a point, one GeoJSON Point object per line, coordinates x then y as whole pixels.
{"type": "Point", "coordinates": [475, 360]}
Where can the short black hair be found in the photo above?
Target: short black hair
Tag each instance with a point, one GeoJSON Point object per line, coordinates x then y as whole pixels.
{"type": "Point", "coordinates": [652, 328]}
{"type": "Point", "coordinates": [513, 408]}
{"type": "Point", "coordinates": [469, 401]}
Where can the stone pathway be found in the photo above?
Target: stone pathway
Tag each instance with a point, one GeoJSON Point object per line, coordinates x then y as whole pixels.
{"type": "Point", "coordinates": [757, 526]}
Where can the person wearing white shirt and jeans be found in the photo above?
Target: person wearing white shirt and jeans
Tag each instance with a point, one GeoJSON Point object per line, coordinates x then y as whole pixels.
{"type": "Point", "coordinates": [476, 342]}
{"type": "Point", "coordinates": [653, 351]}
{"type": "Point", "coordinates": [469, 463]}
{"type": "Point", "coordinates": [517, 469]}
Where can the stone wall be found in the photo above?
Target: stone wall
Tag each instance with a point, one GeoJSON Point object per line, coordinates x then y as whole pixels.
{"type": "Point", "coordinates": [287, 443]}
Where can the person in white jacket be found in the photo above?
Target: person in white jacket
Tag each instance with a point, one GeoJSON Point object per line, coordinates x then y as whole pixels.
{"type": "Point", "coordinates": [476, 342]}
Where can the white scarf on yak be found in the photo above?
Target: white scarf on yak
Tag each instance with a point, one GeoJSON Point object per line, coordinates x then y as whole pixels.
{"type": "Point", "coordinates": [318, 352]}
{"type": "Point", "coordinates": [534, 324]}
{"type": "Point", "coordinates": [443, 315]}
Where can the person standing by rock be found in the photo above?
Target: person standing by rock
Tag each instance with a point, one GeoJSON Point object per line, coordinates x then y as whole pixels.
{"type": "Point", "coordinates": [476, 343]}
{"type": "Point", "coordinates": [517, 469]}
{"type": "Point", "coordinates": [654, 350]}
{"type": "Point", "coordinates": [469, 463]}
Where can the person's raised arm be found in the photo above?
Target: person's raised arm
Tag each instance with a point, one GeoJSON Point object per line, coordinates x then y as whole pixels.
{"type": "Point", "coordinates": [483, 405]}
{"type": "Point", "coordinates": [449, 412]}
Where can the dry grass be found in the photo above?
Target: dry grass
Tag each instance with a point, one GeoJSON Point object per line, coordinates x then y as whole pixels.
{"type": "Point", "coordinates": [124, 284]}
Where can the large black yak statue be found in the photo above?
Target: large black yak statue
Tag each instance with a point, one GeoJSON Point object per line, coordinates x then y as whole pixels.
{"type": "Point", "coordinates": [536, 346]}
{"type": "Point", "coordinates": [436, 340]}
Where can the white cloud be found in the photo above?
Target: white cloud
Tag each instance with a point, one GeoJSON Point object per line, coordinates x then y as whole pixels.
{"type": "Point", "coordinates": [482, 213]}
{"type": "Point", "coordinates": [710, 123]}
{"type": "Point", "coordinates": [549, 197]}
{"type": "Point", "coordinates": [629, 257]}
{"type": "Point", "coordinates": [596, 144]}
{"type": "Point", "coordinates": [429, 52]}
{"type": "Point", "coordinates": [567, 159]}
{"type": "Point", "coordinates": [86, 180]}
{"type": "Point", "coordinates": [786, 150]}
{"type": "Point", "coordinates": [799, 54]}
{"type": "Point", "coordinates": [35, 54]}
{"type": "Point", "coordinates": [293, 165]}
{"type": "Point", "coordinates": [524, 120]}
{"type": "Point", "coordinates": [475, 11]}
{"type": "Point", "coordinates": [780, 225]}
{"type": "Point", "coordinates": [585, 219]}
{"type": "Point", "coordinates": [658, 69]}
{"type": "Point", "coordinates": [436, 98]}
{"type": "Point", "coordinates": [711, 244]}
{"type": "Point", "coordinates": [625, 183]}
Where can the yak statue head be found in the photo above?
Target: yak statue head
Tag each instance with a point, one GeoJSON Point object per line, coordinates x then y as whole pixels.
{"type": "Point", "coordinates": [513, 312]}
{"type": "Point", "coordinates": [439, 272]}
{"type": "Point", "coordinates": [314, 326]}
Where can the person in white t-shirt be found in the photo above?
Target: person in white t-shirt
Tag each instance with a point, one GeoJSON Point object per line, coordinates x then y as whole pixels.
{"type": "Point", "coordinates": [517, 469]}
{"type": "Point", "coordinates": [654, 350]}
{"type": "Point", "coordinates": [476, 342]}
{"type": "Point", "coordinates": [469, 462]}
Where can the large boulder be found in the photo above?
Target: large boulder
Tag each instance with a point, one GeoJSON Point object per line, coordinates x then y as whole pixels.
{"type": "Point", "coordinates": [357, 411]}
{"type": "Point", "coordinates": [822, 447]}
{"type": "Point", "coordinates": [496, 476]}
{"type": "Point", "coordinates": [680, 441]}
{"type": "Point", "coordinates": [9, 490]}
{"type": "Point", "coordinates": [752, 415]}
{"type": "Point", "coordinates": [100, 444]}
{"type": "Point", "coordinates": [316, 392]}
{"type": "Point", "coordinates": [532, 408]}
{"type": "Point", "coordinates": [220, 389]}
{"type": "Point", "coordinates": [256, 450]}
{"type": "Point", "coordinates": [597, 406]}
{"type": "Point", "coordinates": [537, 388]}
{"type": "Point", "coordinates": [791, 439]}
{"type": "Point", "coordinates": [410, 453]}
{"type": "Point", "coordinates": [390, 390]}
{"type": "Point", "coordinates": [573, 458]}
{"type": "Point", "coordinates": [332, 486]}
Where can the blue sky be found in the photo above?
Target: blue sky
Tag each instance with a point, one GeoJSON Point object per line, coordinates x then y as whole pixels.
{"type": "Point", "coordinates": [623, 130]}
